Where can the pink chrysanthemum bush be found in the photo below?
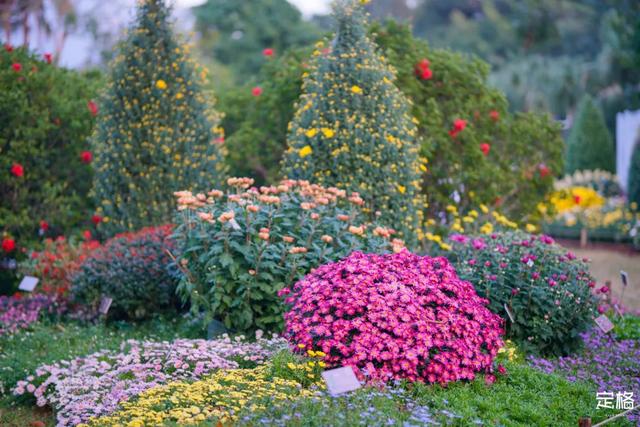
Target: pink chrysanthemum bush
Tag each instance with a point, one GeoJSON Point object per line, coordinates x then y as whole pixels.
{"type": "Point", "coordinates": [394, 316]}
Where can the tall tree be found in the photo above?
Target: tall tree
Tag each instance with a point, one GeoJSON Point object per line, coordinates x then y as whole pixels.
{"type": "Point", "coordinates": [352, 128]}
{"type": "Point", "coordinates": [157, 132]}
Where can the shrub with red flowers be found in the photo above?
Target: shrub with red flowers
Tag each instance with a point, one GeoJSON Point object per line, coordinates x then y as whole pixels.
{"type": "Point", "coordinates": [134, 269]}
{"type": "Point", "coordinates": [546, 288]}
{"type": "Point", "coordinates": [394, 316]}
{"type": "Point", "coordinates": [239, 248]}
{"type": "Point", "coordinates": [56, 263]}
{"type": "Point", "coordinates": [45, 127]}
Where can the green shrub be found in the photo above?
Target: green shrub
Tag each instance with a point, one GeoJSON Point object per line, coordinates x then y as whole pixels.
{"type": "Point", "coordinates": [589, 145]}
{"type": "Point", "coordinates": [633, 187]}
{"type": "Point", "coordinates": [157, 130]}
{"type": "Point", "coordinates": [547, 289]}
{"type": "Point", "coordinates": [240, 248]}
{"type": "Point", "coordinates": [352, 128]}
{"type": "Point", "coordinates": [135, 270]}
{"type": "Point", "coordinates": [45, 122]}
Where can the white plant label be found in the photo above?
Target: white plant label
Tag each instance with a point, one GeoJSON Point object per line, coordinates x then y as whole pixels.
{"type": "Point", "coordinates": [28, 283]}
{"type": "Point", "coordinates": [341, 380]}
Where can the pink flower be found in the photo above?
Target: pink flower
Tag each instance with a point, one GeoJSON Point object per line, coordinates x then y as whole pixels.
{"type": "Point", "coordinates": [502, 370]}
{"type": "Point", "coordinates": [256, 91]}
{"type": "Point", "coordinates": [268, 52]}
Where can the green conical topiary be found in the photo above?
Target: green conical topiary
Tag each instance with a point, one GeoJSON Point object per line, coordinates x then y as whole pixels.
{"type": "Point", "coordinates": [157, 131]}
{"type": "Point", "coordinates": [352, 127]}
{"type": "Point", "coordinates": [589, 145]}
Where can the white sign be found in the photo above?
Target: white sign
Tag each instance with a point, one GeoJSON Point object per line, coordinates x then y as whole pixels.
{"type": "Point", "coordinates": [28, 284]}
{"type": "Point", "coordinates": [341, 380]}
{"type": "Point", "coordinates": [627, 126]}
{"type": "Point", "coordinates": [105, 304]}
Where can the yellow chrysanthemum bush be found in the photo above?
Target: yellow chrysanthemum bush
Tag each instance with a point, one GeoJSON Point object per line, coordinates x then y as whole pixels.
{"type": "Point", "coordinates": [157, 131]}
{"type": "Point", "coordinates": [217, 398]}
{"type": "Point", "coordinates": [240, 247]}
{"type": "Point", "coordinates": [352, 128]}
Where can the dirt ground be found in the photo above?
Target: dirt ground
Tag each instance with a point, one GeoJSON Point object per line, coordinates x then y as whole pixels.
{"type": "Point", "coordinates": [606, 262]}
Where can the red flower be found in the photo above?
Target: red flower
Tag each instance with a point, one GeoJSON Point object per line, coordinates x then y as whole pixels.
{"type": "Point", "coordinates": [86, 234]}
{"type": "Point", "coordinates": [86, 157]}
{"type": "Point", "coordinates": [44, 226]}
{"type": "Point", "coordinates": [604, 290]}
{"type": "Point", "coordinates": [219, 140]}
{"type": "Point", "coordinates": [93, 108]}
{"type": "Point", "coordinates": [96, 219]}
{"type": "Point", "coordinates": [17, 170]}
{"type": "Point", "coordinates": [48, 58]}
{"type": "Point", "coordinates": [544, 170]}
{"type": "Point", "coordinates": [8, 47]}
{"type": "Point", "coordinates": [17, 67]}
{"type": "Point", "coordinates": [485, 148]}
{"type": "Point", "coordinates": [8, 245]}
{"type": "Point", "coordinates": [502, 369]}
{"type": "Point", "coordinates": [459, 124]}
{"type": "Point", "coordinates": [602, 309]}
{"type": "Point", "coordinates": [495, 115]}
{"type": "Point", "coordinates": [422, 69]}
{"type": "Point", "coordinates": [267, 51]}
{"type": "Point", "coordinates": [576, 200]}
{"type": "Point", "coordinates": [256, 91]}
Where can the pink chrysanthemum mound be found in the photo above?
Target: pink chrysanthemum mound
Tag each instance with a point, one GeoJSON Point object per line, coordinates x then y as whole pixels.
{"type": "Point", "coordinates": [395, 316]}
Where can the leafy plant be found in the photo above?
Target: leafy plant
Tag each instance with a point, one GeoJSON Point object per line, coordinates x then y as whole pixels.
{"type": "Point", "coordinates": [135, 270]}
{"type": "Point", "coordinates": [545, 287]}
{"type": "Point", "coordinates": [239, 248]}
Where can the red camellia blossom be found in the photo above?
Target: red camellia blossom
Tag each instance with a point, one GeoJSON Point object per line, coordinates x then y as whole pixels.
{"type": "Point", "coordinates": [256, 91]}
{"type": "Point", "coordinates": [44, 226]}
{"type": "Point", "coordinates": [96, 219]}
{"type": "Point", "coordinates": [495, 115]}
{"type": "Point", "coordinates": [458, 126]}
{"type": "Point", "coordinates": [8, 245]}
{"type": "Point", "coordinates": [17, 170]}
{"type": "Point", "coordinates": [394, 316]}
{"type": "Point", "coordinates": [267, 51]}
{"type": "Point", "coordinates": [485, 148]}
{"type": "Point", "coordinates": [17, 67]}
{"type": "Point", "coordinates": [93, 108]}
{"type": "Point", "coordinates": [544, 170]}
{"type": "Point", "coordinates": [422, 69]}
{"type": "Point", "coordinates": [48, 58]}
{"type": "Point", "coordinates": [86, 157]}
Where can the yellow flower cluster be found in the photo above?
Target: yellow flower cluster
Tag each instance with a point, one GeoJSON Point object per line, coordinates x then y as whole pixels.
{"type": "Point", "coordinates": [218, 397]}
{"type": "Point", "coordinates": [481, 220]}
{"type": "Point", "coordinates": [575, 198]}
{"type": "Point", "coordinates": [510, 351]}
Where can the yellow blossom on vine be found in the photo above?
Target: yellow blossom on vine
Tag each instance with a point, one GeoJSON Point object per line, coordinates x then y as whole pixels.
{"type": "Point", "coordinates": [356, 89]}
{"type": "Point", "coordinates": [161, 84]}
